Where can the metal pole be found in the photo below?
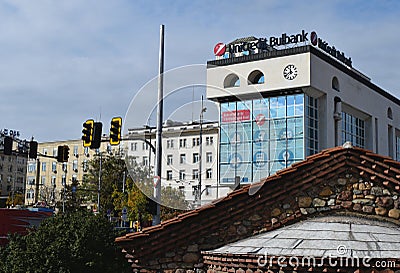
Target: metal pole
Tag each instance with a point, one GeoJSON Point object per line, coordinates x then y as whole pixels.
{"type": "Point", "coordinates": [99, 188]}
{"type": "Point", "coordinates": [157, 186]}
{"type": "Point", "coordinates": [37, 181]}
{"type": "Point", "coordinates": [200, 152]}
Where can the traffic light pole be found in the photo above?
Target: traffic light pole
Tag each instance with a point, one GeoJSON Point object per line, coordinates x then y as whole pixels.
{"type": "Point", "coordinates": [99, 188]}
{"type": "Point", "coordinates": [157, 184]}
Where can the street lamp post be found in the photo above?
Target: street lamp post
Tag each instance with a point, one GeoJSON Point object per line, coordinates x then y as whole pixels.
{"type": "Point", "coordinates": [203, 110]}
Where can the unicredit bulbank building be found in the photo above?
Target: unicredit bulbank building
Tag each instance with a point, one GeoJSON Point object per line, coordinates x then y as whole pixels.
{"type": "Point", "coordinates": [287, 97]}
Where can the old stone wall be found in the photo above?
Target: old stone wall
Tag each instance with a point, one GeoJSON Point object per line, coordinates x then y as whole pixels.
{"type": "Point", "coordinates": [278, 205]}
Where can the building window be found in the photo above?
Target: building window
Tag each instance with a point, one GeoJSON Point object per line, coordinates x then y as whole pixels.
{"type": "Point", "coordinates": [232, 80]}
{"type": "Point", "coordinates": [133, 146]}
{"type": "Point", "coordinates": [195, 174]}
{"type": "Point", "coordinates": [209, 140]}
{"type": "Point", "coordinates": [397, 155]}
{"type": "Point", "coordinates": [182, 175]}
{"type": "Point", "coordinates": [43, 180]}
{"type": "Point", "coordinates": [169, 175]}
{"type": "Point", "coordinates": [145, 146]}
{"type": "Point", "coordinates": [256, 77]}
{"type": "Point", "coordinates": [389, 113]}
{"type": "Point", "coordinates": [195, 157]}
{"type": "Point", "coordinates": [170, 143]}
{"type": "Point", "coordinates": [208, 190]}
{"type": "Point", "coordinates": [209, 157]}
{"type": "Point", "coordinates": [55, 151]}
{"type": "Point", "coordinates": [31, 167]}
{"type": "Point", "coordinates": [182, 143]}
{"type": "Point", "coordinates": [182, 159]}
{"type": "Point", "coordinates": [353, 130]}
{"type": "Point", "coordinates": [85, 165]}
{"type": "Point", "coordinates": [209, 173]}
{"type": "Point", "coordinates": [194, 190]}
{"type": "Point", "coordinates": [45, 151]}
{"type": "Point", "coordinates": [311, 126]}
{"type": "Point", "coordinates": [145, 161]}
{"type": "Point", "coordinates": [54, 167]}
{"type": "Point", "coordinates": [31, 180]}
{"type": "Point", "coordinates": [75, 150]}
{"type": "Point", "coordinates": [196, 141]}
{"type": "Point", "coordinates": [86, 151]}
{"type": "Point", "coordinates": [43, 166]}
{"type": "Point", "coordinates": [335, 84]}
{"type": "Point", "coordinates": [53, 181]}
{"type": "Point", "coordinates": [75, 165]}
{"type": "Point", "coordinates": [64, 167]}
{"type": "Point", "coordinates": [169, 159]}
{"type": "Point", "coordinates": [63, 180]}
{"type": "Point", "coordinates": [30, 194]}
{"type": "Point", "coordinates": [74, 178]}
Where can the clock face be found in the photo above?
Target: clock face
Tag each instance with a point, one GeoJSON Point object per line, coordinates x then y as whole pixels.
{"type": "Point", "coordinates": [290, 72]}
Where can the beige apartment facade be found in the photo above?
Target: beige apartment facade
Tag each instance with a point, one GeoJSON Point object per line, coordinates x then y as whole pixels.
{"type": "Point", "coordinates": [12, 171]}
{"type": "Point", "coordinates": [45, 177]}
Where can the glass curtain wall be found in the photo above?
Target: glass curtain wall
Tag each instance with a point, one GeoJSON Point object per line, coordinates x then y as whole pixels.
{"type": "Point", "coordinates": [262, 136]}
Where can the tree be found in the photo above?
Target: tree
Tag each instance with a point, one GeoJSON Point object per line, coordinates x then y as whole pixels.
{"type": "Point", "coordinates": [72, 242]}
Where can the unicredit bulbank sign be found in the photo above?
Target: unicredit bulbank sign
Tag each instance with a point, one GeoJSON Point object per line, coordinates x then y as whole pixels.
{"type": "Point", "coordinates": [259, 45]}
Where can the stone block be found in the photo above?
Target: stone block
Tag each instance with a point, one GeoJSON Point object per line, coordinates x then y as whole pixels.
{"type": "Point", "coordinates": [394, 213]}
{"type": "Point", "coordinates": [368, 209]}
{"type": "Point", "coordinates": [384, 201]}
{"type": "Point", "coordinates": [193, 248]}
{"type": "Point", "coordinates": [326, 191]}
{"type": "Point", "coordinates": [191, 257]}
{"type": "Point", "coordinates": [357, 207]}
{"type": "Point", "coordinates": [345, 195]}
{"type": "Point", "coordinates": [276, 212]}
{"type": "Point", "coordinates": [331, 202]}
{"type": "Point", "coordinates": [342, 181]}
{"type": "Point", "coordinates": [347, 204]}
{"type": "Point", "coordinates": [380, 211]}
{"type": "Point", "coordinates": [377, 191]}
{"type": "Point", "coordinates": [363, 201]}
{"type": "Point", "coordinates": [317, 202]}
{"type": "Point", "coordinates": [304, 201]}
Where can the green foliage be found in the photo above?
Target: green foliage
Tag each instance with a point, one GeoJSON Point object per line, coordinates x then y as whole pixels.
{"type": "Point", "coordinates": [73, 242]}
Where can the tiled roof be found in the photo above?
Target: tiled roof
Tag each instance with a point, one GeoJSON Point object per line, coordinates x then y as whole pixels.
{"type": "Point", "coordinates": [240, 204]}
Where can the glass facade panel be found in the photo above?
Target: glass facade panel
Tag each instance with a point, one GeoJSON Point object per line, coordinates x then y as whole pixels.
{"type": "Point", "coordinates": [353, 130]}
{"type": "Point", "coordinates": [262, 136]}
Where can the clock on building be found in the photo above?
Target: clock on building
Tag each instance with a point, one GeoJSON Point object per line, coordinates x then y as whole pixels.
{"type": "Point", "coordinates": [290, 72]}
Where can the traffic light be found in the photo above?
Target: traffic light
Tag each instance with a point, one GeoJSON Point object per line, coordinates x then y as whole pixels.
{"type": "Point", "coordinates": [115, 130]}
{"type": "Point", "coordinates": [33, 145]}
{"type": "Point", "coordinates": [97, 132]}
{"type": "Point", "coordinates": [87, 133]}
{"type": "Point", "coordinates": [63, 153]}
{"type": "Point", "coordinates": [8, 143]}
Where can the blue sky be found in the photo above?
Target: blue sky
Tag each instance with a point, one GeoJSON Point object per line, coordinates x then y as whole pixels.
{"type": "Point", "coordinates": [63, 62]}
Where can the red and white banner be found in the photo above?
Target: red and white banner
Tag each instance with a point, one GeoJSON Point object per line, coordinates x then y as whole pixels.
{"type": "Point", "coordinates": [232, 116]}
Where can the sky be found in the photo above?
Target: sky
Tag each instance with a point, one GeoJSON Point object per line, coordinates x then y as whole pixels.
{"type": "Point", "coordinates": [62, 62]}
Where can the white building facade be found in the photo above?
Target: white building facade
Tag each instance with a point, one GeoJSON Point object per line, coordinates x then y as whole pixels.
{"type": "Point", "coordinates": [182, 151]}
{"type": "Point", "coordinates": [283, 99]}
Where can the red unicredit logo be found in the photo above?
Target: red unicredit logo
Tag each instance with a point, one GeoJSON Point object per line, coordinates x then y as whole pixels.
{"type": "Point", "coordinates": [219, 49]}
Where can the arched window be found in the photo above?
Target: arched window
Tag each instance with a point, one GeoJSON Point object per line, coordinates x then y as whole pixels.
{"type": "Point", "coordinates": [232, 80]}
{"type": "Point", "coordinates": [389, 113]}
{"type": "Point", "coordinates": [256, 77]}
{"type": "Point", "coordinates": [335, 84]}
